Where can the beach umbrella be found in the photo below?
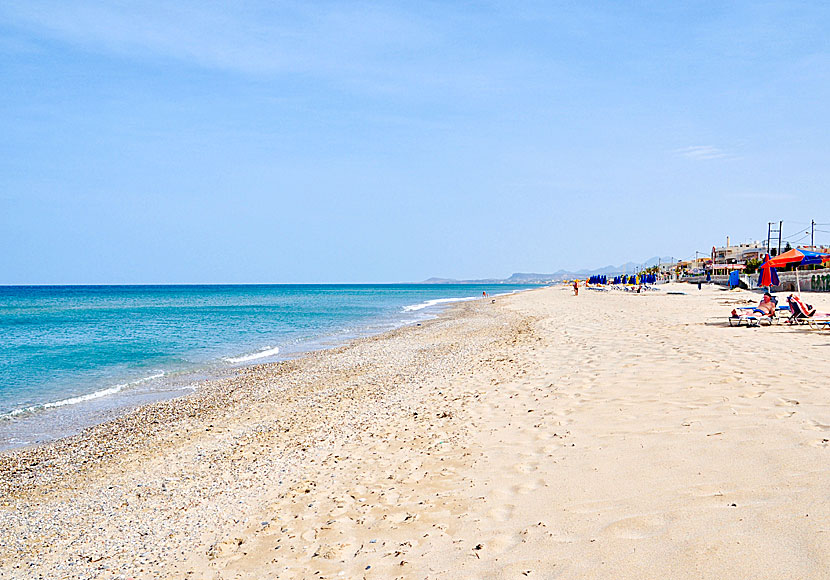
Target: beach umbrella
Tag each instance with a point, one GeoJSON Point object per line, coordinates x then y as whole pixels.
{"type": "Point", "coordinates": [814, 258]}
{"type": "Point", "coordinates": [769, 275]}
{"type": "Point", "coordinates": [798, 257]}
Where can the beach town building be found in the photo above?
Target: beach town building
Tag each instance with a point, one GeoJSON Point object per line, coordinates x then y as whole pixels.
{"type": "Point", "coordinates": [666, 268]}
{"type": "Point", "coordinates": [681, 267]}
{"type": "Point", "coordinates": [738, 254]}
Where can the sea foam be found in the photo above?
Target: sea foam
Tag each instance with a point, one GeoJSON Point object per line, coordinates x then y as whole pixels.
{"type": "Point", "coordinates": [79, 399]}
{"type": "Point", "coordinates": [435, 302]}
{"type": "Point", "coordinates": [268, 351]}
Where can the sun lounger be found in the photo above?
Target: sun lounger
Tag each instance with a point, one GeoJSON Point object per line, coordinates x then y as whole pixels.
{"type": "Point", "coordinates": [754, 316]}
{"type": "Point", "coordinates": [778, 310]}
{"type": "Point", "coordinates": [799, 309]}
{"type": "Point", "coordinates": [819, 323]}
{"type": "Point", "coordinates": [802, 313]}
{"type": "Point", "coordinates": [752, 319]}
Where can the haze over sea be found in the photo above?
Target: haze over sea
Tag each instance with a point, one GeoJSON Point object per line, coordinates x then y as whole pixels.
{"type": "Point", "coordinates": [74, 355]}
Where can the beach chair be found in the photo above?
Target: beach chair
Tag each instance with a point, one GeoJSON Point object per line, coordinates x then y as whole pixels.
{"type": "Point", "coordinates": [800, 313]}
{"type": "Point", "coordinates": [754, 316]}
{"type": "Point", "coordinates": [822, 323]}
{"type": "Point", "coordinates": [751, 316]}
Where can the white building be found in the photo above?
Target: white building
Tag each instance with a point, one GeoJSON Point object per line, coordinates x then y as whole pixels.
{"type": "Point", "coordinates": [729, 254]}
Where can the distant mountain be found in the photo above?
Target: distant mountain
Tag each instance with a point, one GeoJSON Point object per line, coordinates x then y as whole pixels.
{"type": "Point", "coordinates": [525, 278]}
{"type": "Point", "coordinates": [480, 281]}
{"type": "Point", "coordinates": [559, 275]}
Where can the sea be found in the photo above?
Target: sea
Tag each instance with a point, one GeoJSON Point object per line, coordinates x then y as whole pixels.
{"type": "Point", "coordinates": [74, 356]}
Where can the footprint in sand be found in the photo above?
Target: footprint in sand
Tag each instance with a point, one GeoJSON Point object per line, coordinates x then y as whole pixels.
{"type": "Point", "coordinates": [638, 527]}
{"type": "Point", "coordinates": [527, 487]}
{"type": "Point", "coordinates": [500, 543]}
{"type": "Point", "coordinates": [529, 467]}
{"type": "Point", "coordinates": [784, 402]}
{"type": "Point", "coordinates": [536, 533]}
{"type": "Point", "coordinates": [819, 425]}
{"type": "Point", "coordinates": [501, 513]}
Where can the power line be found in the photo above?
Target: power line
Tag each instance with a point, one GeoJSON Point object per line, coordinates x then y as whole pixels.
{"type": "Point", "coordinates": [792, 236]}
{"type": "Point", "coordinates": [804, 237]}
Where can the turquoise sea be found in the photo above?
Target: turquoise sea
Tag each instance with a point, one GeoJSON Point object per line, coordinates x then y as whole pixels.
{"type": "Point", "coordinates": [71, 356]}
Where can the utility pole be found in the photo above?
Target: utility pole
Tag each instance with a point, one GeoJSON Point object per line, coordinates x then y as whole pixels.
{"type": "Point", "coordinates": [813, 235]}
{"type": "Point", "coordinates": [770, 232]}
{"type": "Point", "coordinates": [780, 224]}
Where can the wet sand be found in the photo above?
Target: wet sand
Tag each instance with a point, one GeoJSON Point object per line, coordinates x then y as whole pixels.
{"type": "Point", "coordinates": [608, 435]}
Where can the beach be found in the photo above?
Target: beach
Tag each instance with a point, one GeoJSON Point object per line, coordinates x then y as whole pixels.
{"type": "Point", "coordinates": [536, 435]}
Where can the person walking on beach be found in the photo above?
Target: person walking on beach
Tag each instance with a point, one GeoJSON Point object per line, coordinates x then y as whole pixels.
{"type": "Point", "coordinates": [576, 287]}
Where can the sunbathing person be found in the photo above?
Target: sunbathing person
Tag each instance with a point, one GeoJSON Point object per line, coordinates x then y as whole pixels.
{"type": "Point", "coordinates": [767, 305]}
{"type": "Point", "coordinates": [766, 309]}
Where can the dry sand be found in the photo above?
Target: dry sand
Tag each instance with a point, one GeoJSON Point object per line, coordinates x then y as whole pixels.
{"type": "Point", "coordinates": [608, 435]}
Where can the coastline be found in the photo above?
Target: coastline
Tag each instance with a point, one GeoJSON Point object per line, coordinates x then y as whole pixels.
{"type": "Point", "coordinates": [69, 402]}
{"type": "Point", "coordinates": [211, 398]}
{"type": "Point", "coordinates": [610, 435]}
{"type": "Point", "coordinates": [51, 491]}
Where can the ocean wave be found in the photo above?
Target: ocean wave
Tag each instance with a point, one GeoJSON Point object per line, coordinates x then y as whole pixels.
{"type": "Point", "coordinates": [268, 351]}
{"type": "Point", "coordinates": [435, 302]}
{"type": "Point", "coordinates": [79, 399]}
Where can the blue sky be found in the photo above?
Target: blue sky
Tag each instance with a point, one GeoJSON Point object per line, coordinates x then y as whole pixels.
{"type": "Point", "coordinates": [377, 142]}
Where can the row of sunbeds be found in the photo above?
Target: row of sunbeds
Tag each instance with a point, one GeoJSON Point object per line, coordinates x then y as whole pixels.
{"type": "Point", "coordinates": [796, 312]}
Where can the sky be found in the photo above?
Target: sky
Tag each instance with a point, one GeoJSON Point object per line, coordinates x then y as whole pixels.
{"type": "Point", "coordinates": [326, 142]}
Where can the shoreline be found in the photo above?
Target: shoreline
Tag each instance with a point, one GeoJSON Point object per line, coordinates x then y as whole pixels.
{"type": "Point", "coordinates": [610, 435]}
{"type": "Point", "coordinates": [208, 398]}
{"type": "Point", "coordinates": [164, 490]}
{"type": "Point", "coordinates": [50, 421]}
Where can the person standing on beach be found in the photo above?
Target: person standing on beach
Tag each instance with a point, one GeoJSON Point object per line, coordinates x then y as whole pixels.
{"type": "Point", "coordinates": [576, 287]}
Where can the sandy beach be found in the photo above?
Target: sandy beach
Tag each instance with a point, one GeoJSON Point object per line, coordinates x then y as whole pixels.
{"type": "Point", "coordinates": [540, 435]}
